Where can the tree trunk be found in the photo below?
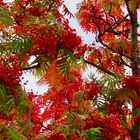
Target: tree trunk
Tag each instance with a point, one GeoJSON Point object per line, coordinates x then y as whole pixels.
{"type": "Point", "coordinates": [134, 41]}
{"type": "Point", "coordinates": [134, 133]}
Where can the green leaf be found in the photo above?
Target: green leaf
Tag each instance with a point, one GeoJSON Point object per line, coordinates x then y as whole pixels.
{"type": "Point", "coordinates": [91, 133]}
{"type": "Point", "coordinates": [66, 131]}
{"type": "Point", "coordinates": [3, 94]}
{"type": "Point", "coordinates": [58, 48]}
{"type": "Point", "coordinates": [72, 57]}
{"type": "Point", "coordinates": [46, 1]}
{"type": "Point", "coordinates": [18, 44]}
{"type": "Point", "coordinates": [27, 42]}
{"type": "Point", "coordinates": [79, 96]}
{"type": "Point", "coordinates": [15, 135]}
{"type": "Point", "coordinates": [5, 17]}
{"type": "Point", "coordinates": [121, 43]}
{"type": "Point", "coordinates": [108, 8]}
{"type": "Point", "coordinates": [110, 82]}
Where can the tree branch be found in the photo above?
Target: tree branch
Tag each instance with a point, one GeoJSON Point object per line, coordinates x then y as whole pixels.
{"type": "Point", "coordinates": [124, 63]}
{"type": "Point", "coordinates": [100, 68]}
{"type": "Point", "coordinates": [110, 29]}
{"type": "Point", "coordinates": [31, 67]}
{"type": "Point", "coordinates": [105, 45]}
{"type": "Point", "coordinates": [115, 25]}
{"type": "Point", "coordinates": [134, 36]}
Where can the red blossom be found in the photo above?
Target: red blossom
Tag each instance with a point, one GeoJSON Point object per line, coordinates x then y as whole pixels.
{"type": "Point", "coordinates": [113, 108]}
{"type": "Point", "coordinates": [56, 136]}
{"type": "Point", "coordinates": [69, 39]}
{"type": "Point", "coordinates": [91, 90]}
{"type": "Point", "coordinates": [132, 82]}
{"type": "Point", "coordinates": [110, 125]}
{"type": "Point", "coordinates": [36, 11]}
{"type": "Point", "coordinates": [10, 72]}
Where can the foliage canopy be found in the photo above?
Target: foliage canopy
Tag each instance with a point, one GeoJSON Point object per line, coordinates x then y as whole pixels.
{"type": "Point", "coordinates": [73, 108]}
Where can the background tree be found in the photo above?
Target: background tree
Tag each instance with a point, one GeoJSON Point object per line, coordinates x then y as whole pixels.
{"type": "Point", "coordinates": [72, 108]}
{"type": "Point", "coordinates": [116, 27]}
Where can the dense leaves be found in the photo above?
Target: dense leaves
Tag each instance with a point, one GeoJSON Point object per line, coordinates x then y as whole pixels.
{"type": "Point", "coordinates": [35, 37]}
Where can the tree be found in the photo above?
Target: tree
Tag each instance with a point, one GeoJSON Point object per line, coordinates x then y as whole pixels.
{"type": "Point", "coordinates": [72, 108]}
{"type": "Point", "coordinates": [115, 24]}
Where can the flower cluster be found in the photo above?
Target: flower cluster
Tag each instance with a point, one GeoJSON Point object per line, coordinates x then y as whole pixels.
{"type": "Point", "coordinates": [56, 136]}
{"type": "Point", "coordinates": [132, 84]}
{"type": "Point", "coordinates": [110, 125]}
{"type": "Point", "coordinates": [10, 72]}
{"type": "Point", "coordinates": [92, 15]}
{"type": "Point", "coordinates": [69, 39]}
{"type": "Point", "coordinates": [113, 108]}
{"type": "Point", "coordinates": [91, 90]}
{"type": "Point", "coordinates": [44, 39]}
{"type": "Point", "coordinates": [48, 39]}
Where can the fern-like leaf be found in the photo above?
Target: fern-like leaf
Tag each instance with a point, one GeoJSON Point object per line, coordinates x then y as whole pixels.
{"type": "Point", "coordinates": [66, 11]}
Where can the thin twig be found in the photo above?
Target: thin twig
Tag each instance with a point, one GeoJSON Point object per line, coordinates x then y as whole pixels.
{"type": "Point", "coordinates": [31, 67]}
{"type": "Point", "coordinates": [100, 68]}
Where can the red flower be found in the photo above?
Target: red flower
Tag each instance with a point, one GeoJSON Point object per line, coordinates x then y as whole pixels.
{"type": "Point", "coordinates": [57, 136]}
{"type": "Point", "coordinates": [91, 91]}
{"type": "Point", "coordinates": [36, 11]}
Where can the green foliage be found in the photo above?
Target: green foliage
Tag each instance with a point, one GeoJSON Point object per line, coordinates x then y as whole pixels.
{"type": "Point", "coordinates": [108, 8]}
{"type": "Point", "coordinates": [65, 62]}
{"type": "Point", "coordinates": [42, 61]}
{"type": "Point", "coordinates": [99, 102]}
{"type": "Point", "coordinates": [16, 135]}
{"type": "Point", "coordinates": [5, 17]}
{"type": "Point", "coordinates": [3, 93]}
{"type": "Point", "coordinates": [110, 82]}
{"type": "Point", "coordinates": [91, 133]}
{"type": "Point", "coordinates": [19, 44]}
